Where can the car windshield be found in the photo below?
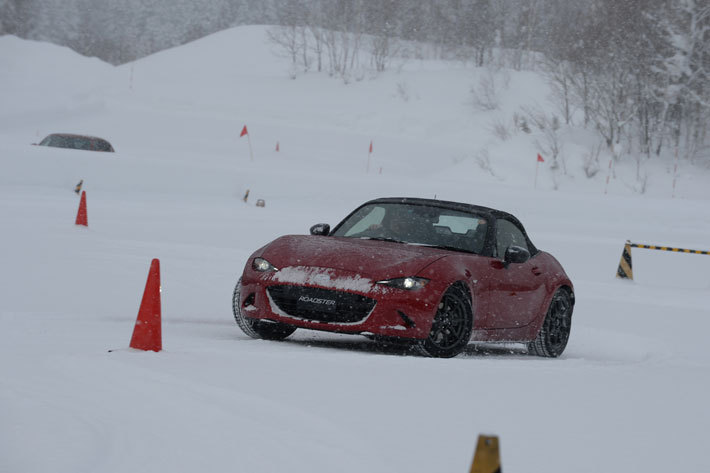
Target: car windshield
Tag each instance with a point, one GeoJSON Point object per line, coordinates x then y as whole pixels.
{"type": "Point", "coordinates": [65, 141]}
{"type": "Point", "coordinates": [417, 224]}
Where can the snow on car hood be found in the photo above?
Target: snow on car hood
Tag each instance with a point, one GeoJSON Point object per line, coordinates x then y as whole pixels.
{"type": "Point", "coordinates": [368, 258]}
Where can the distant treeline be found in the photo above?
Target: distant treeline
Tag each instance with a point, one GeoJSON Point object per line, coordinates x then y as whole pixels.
{"type": "Point", "coordinates": [638, 71]}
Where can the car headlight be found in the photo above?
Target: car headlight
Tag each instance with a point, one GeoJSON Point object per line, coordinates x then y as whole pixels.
{"type": "Point", "coordinates": [409, 283]}
{"type": "Point", "coordinates": [261, 265]}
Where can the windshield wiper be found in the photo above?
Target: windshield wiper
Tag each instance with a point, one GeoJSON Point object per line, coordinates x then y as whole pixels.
{"type": "Point", "coordinates": [393, 240]}
{"type": "Point", "coordinates": [447, 247]}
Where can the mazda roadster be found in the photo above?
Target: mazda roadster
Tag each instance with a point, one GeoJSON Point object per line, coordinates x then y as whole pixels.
{"type": "Point", "coordinates": [431, 273]}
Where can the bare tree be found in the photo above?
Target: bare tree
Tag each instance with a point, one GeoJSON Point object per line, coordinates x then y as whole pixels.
{"type": "Point", "coordinates": [317, 45]}
{"type": "Point", "coordinates": [686, 70]}
{"type": "Point", "coordinates": [289, 42]}
{"type": "Point", "coordinates": [590, 161]}
{"type": "Point", "coordinates": [561, 78]}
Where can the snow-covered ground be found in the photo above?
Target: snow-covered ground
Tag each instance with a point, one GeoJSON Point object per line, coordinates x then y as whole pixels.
{"type": "Point", "coordinates": [629, 394]}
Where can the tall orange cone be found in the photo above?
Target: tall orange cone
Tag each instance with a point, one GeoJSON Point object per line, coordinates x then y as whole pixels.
{"type": "Point", "coordinates": [81, 217]}
{"type": "Point", "coordinates": [147, 332]}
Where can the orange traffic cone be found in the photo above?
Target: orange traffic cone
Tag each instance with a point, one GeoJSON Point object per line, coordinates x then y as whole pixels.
{"type": "Point", "coordinates": [81, 217]}
{"type": "Point", "coordinates": [147, 333]}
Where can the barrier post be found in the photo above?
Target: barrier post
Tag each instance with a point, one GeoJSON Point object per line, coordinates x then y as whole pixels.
{"type": "Point", "coordinates": [625, 270]}
{"type": "Point", "coordinates": [487, 456]}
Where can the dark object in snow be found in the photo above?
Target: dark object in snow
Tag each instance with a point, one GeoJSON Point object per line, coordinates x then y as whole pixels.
{"type": "Point", "coordinates": [438, 274]}
{"type": "Point", "coordinates": [88, 143]}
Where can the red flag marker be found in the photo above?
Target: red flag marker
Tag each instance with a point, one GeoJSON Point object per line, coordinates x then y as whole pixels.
{"type": "Point", "coordinates": [537, 165]}
{"type": "Point", "coordinates": [245, 132]}
{"type": "Point", "coordinates": [147, 332]}
{"type": "Point", "coordinates": [81, 215]}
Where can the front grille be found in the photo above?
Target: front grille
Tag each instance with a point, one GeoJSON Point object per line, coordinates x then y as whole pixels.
{"type": "Point", "coordinates": [321, 305]}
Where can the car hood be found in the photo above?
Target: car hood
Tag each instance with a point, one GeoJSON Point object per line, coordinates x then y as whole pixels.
{"type": "Point", "coordinates": [370, 258]}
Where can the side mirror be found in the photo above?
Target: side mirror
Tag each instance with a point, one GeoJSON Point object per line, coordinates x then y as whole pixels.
{"type": "Point", "coordinates": [516, 254]}
{"type": "Point", "coordinates": [320, 229]}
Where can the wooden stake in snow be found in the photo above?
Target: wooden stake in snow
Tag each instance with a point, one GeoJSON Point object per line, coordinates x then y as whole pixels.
{"type": "Point", "coordinates": [608, 176]}
{"type": "Point", "coordinates": [245, 132]}
{"type": "Point", "coordinates": [606, 186]}
{"type": "Point", "coordinates": [675, 170]}
{"type": "Point", "coordinates": [368, 158]}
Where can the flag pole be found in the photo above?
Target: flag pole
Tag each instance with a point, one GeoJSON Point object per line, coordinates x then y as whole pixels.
{"type": "Point", "coordinates": [246, 132]}
{"type": "Point", "coordinates": [675, 170]}
{"type": "Point", "coordinates": [537, 166]}
{"type": "Point", "coordinates": [608, 175]}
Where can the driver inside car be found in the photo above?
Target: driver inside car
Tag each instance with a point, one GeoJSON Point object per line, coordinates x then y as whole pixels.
{"type": "Point", "coordinates": [393, 225]}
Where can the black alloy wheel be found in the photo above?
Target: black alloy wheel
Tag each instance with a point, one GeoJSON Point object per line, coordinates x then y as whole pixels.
{"type": "Point", "coordinates": [452, 326]}
{"type": "Point", "coordinates": [552, 339]}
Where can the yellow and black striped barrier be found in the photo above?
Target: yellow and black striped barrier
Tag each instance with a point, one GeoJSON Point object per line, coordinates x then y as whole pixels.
{"type": "Point", "coordinates": [668, 248]}
{"type": "Point", "coordinates": [625, 269]}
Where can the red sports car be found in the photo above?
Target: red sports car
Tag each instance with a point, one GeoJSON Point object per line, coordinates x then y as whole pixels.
{"type": "Point", "coordinates": [438, 274]}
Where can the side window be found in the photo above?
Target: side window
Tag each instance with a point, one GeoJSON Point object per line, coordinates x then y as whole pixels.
{"type": "Point", "coordinates": [508, 234]}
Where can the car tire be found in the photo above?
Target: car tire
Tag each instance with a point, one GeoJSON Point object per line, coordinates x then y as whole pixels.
{"type": "Point", "coordinates": [453, 323]}
{"type": "Point", "coordinates": [260, 329]}
{"type": "Point", "coordinates": [554, 334]}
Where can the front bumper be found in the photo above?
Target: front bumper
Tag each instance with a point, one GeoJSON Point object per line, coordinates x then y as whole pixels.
{"type": "Point", "coordinates": [338, 301]}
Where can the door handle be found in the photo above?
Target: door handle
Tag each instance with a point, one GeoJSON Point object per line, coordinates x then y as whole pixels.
{"type": "Point", "coordinates": [536, 271]}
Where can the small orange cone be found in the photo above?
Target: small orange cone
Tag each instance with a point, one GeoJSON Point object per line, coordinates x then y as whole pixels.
{"type": "Point", "coordinates": [147, 332]}
{"type": "Point", "coordinates": [81, 217]}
